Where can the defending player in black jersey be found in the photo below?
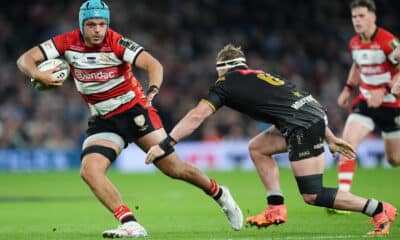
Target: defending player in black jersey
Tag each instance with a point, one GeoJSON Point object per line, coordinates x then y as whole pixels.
{"type": "Point", "coordinates": [299, 127]}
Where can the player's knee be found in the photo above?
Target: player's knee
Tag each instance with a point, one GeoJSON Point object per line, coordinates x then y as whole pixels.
{"type": "Point", "coordinates": [314, 193]}
{"type": "Point", "coordinates": [253, 148]}
{"type": "Point", "coordinates": [90, 170]}
{"type": "Point", "coordinates": [87, 174]}
{"type": "Point", "coordinates": [309, 198]}
{"type": "Point", "coordinates": [394, 160]}
{"type": "Point", "coordinates": [326, 197]}
{"type": "Point", "coordinates": [256, 149]}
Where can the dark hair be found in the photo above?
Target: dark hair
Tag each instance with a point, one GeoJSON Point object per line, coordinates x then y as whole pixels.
{"type": "Point", "coordinates": [369, 4]}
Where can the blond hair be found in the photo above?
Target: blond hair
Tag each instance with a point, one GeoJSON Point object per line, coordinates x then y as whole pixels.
{"type": "Point", "coordinates": [229, 52]}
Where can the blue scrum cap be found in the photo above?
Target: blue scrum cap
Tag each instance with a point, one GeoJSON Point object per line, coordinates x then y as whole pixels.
{"type": "Point", "coordinates": [93, 9]}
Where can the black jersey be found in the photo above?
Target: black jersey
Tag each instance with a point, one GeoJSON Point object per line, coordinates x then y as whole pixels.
{"type": "Point", "coordinates": [266, 98]}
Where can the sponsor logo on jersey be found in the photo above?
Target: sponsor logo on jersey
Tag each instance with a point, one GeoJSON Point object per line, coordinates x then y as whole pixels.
{"type": "Point", "coordinates": [299, 103]}
{"type": "Point", "coordinates": [369, 56]}
{"type": "Point", "coordinates": [48, 45]}
{"type": "Point", "coordinates": [372, 70]}
{"type": "Point", "coordinates": [129, 44]}
{"type": "Point", "coordinates": [94, 76]}
{"type": "Point", "coordinates": [90, 60]}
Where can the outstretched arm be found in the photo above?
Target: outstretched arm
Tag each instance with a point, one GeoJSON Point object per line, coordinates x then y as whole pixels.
{"type": "Point", "coordinates": [339, 145]}
{"type": "Point", "coordinates": [185, 127]}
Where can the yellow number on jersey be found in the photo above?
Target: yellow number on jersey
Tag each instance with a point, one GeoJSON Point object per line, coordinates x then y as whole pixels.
{"type": "Point", "coordinates": [271, 79]}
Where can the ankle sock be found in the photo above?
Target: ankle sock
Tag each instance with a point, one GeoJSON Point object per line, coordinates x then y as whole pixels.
{"type": "Point", "coordinates": [123, 214]}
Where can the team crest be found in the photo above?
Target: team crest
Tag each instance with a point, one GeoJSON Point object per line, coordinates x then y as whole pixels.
{"type": "Point", "coordinates": [397, 121]}
{"type": "Point", "coordinates": [140, 122]}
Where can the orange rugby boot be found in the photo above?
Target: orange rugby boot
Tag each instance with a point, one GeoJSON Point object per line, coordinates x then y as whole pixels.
{"type": "Point", "coordinates": [384, 219]}
{"type": "Point", "coordinates": [273, 214]}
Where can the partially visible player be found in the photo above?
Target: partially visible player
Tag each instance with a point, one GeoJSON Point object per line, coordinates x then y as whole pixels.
{"type": "Point", "coordinates": [373, 72]}
{"type": "Point", "coordinates": [121, 113]}
{"type": "Point", "coordinates": [396, 86]}
{"type": "Point", "coordinates": [299, 127]}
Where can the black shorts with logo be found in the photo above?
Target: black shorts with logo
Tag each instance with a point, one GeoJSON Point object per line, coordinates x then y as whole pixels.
{"type": "Point", "coordinates": [386, 119]}
{"type": "Point", "coordinates": [306, 142]}
{"type": "Point", "coordinates": [130, 125]}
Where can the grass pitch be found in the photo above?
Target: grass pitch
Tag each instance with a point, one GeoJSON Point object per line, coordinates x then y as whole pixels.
{"type": "Point", "coordinates": [60, 206]}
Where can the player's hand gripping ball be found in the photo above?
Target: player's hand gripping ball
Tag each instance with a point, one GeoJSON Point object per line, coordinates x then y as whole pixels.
{"type": "Point", "coordinates": [63, 72]}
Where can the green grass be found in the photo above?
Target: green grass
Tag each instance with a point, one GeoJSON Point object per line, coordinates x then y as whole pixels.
{"type": "Point", "coordinates": [60, 206]}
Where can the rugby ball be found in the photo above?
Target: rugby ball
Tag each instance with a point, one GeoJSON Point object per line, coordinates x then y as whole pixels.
{"type": "Point", "coordinates": [50, 64]}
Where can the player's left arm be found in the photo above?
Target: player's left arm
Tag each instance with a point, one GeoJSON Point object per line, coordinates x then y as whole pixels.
{"type": "Point", "coordinates": [394, 58]}
{"type": "Point", "coordinates": [395, 89]}
{"type": "Point", "coordinates": [154, 70]}
{"type": "Point", "coordinates": [337, 145]}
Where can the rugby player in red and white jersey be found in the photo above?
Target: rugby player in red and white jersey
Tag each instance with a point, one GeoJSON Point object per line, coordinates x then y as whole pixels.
{"type": "Point", "coordinates": [373, 72]}
{"type": "Point", "coordinates": [396, 85]}
{"type": "Point", "coordinates": [121, 113]}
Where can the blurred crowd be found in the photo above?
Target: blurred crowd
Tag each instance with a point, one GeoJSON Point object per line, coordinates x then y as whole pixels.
{"type": "Point", "coordinates": [303, 41]}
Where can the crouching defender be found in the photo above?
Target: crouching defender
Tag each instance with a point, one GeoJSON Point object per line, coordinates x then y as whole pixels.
{"type": "Point", "coordinates": [299, 127]}
{"type": "Point", "coordinates": [100, 61]}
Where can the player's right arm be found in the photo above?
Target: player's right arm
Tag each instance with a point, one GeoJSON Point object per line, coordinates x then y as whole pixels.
{"type": "Point", "coordinates": [185, 127]}
{"type": "Point", "coordinates": [27, 64]}
{"type": "Point", "coordinates": [192, 120]}
{"type": "Point", "coordinates": [337, 145]}
{"type": "Point", "coordinates": [352, 82]}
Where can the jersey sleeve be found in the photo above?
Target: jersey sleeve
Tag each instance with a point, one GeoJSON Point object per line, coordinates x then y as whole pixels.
{"type": "Point", "coordinates": [393, 44]}
{"type": "Point", "coordinates": [125, 48]}
{"type": "Point", "coordinates": [217, 94]}
{"type": "Point", "coordinates": [54, 47]}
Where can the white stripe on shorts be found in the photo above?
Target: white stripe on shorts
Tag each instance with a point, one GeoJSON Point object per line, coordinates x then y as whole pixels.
{"type": "Point", "coordinates": [109, 136]}
{"type": "Point", "coordinates": [364, 120]}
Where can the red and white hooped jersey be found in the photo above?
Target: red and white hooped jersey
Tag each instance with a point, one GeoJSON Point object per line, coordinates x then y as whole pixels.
{"type": "Point", "coordinates": [102, 75]}
{"type": "Point", "coordinates": [375, 59]}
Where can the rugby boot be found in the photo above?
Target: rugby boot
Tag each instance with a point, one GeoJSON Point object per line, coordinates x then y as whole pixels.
{"type": "Point", "coordinates": [383, 220]}
{"type": "Point", "coordinates": [127, 230]}
{"type": "Point", "coordinates": [273, 214]}
{"type": "Point", "coordinates": [231, 209]}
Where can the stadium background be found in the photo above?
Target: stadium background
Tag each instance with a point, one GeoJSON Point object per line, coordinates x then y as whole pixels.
{"type": "Point", "coordinates": [304, 41]}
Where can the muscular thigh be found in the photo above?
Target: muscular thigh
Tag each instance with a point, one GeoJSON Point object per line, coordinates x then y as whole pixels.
{"type": "Point", "coordinates": [392, 148]}
{"type": "Point", "coordinates": [269, 142]}
{"type": "Point", "coordinates": [356, 130]}
{"type": "Point", "coordinates": [151, 139]}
